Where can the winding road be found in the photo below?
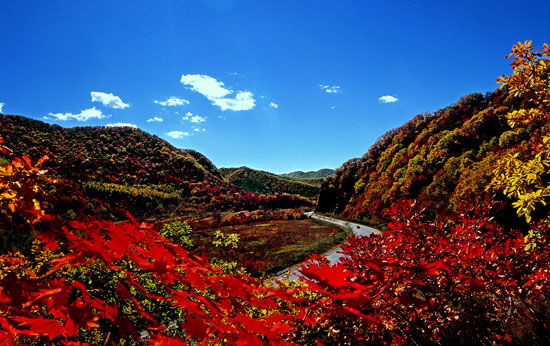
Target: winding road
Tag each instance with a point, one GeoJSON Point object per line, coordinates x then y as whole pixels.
{"type": "Point", "coordinates": [333, 255]}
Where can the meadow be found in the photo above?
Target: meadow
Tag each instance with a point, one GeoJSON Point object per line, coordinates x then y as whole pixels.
{"type": "Point", "coordinates": [274, 245]}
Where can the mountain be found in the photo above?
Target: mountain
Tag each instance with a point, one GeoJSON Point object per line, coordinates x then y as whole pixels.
{"type": "Point", "coordinates": [264, 182]}
{"type": "Point", "coordinates": [322, 173]}
{"type": "Point", "coordinates": [130, 169]}
{"type": "Point", "coordinates": [444, 159]}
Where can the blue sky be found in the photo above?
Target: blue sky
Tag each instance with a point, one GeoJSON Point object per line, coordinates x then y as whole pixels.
{"type": "Point", "coordinates": [273, 85]}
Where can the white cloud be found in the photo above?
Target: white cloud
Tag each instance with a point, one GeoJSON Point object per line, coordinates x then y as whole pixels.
{"type": "Point", "coordinates": [155, 119]}
{"type": "Point", "coordinates": [121, 125]}
{"type": "Point", "coordinates": [197, 119]}
{"type": "Point", "coordinates": [243, 101]}
{"type": "Point", "coordinates": [214, 91]}
{"type": "Point", "coordinates": [108, 100]}
{"type": "Point", "coordinates": [388, 99]}
{"type": "Point", "coordinates": [85, 115]}
{"type": "Point", "coordinates": [178, 134]}
{"type": "Point", "coordinates": [172, 101]}
{"type": "Point", "coordinates": [332, 107]}
{"type": "Point", "coordinates": [1, 106]}
{"type": "Point", "coordinates": [205, 85]}
{"type": "Point", "coordinates": [274, 105]}
{"type": "Point", "coordinates": [331, 89]}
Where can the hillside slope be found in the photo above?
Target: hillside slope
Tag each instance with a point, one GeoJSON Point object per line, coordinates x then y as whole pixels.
{"type": "Point", "coordinates": [130, 168]}
{"type": "Point", "coordinates": [444, 159]}
{"type": "Point", "coordinates": [264, 182]}
{"type": "Point", "coordinates": [122, 155]}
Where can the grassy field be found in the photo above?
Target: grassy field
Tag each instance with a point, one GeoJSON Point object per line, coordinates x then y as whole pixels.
{"type": "Point", "coordinates": [274, 244]}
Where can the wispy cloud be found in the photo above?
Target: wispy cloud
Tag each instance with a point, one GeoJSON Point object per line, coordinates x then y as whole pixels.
{"type": "Point", "coordinates": [85, 115]}
{"type": "Point", "coordinates": [216, 93]}
{"type": "Point", "coordinates": [155, 119]}
{"type": "Point", "coordinates": [121, 125]}
{"type": "Point", "coordinates": [1, 106]}
{"type": "Point", "coordinates": [108, 100]}
{"type": "Point", "coordinates": [331, 89]}
{"type": "Point", "coordinates": [172, 101]}
{"type": "Point", "coordinates": [178, 134]}
{"type": "Point", "coordinates": [274, 105]}
{"type": "Point", "coordinates": [388, 99]}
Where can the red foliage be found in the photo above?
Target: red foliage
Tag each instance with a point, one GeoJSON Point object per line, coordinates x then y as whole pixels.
{"type": "Point", "coordinates": [464, 280]}
{"type": "Point", "coordinates": [52, 308]}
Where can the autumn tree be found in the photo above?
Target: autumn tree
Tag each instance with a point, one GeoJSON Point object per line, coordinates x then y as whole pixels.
{"type": "Point", "coordinates": [523, 173]}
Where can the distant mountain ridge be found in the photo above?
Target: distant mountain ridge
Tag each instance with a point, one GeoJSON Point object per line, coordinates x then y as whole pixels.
{"type": "Point", "coordinates": [265, 182]}
{"type": "Point", "coordinates": [321, 173]}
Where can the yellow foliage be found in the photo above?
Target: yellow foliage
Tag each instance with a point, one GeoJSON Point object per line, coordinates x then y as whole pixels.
{"type": "Point", "coordinates": [521, 174]}
{"type": "Point", "coordinates": [19, 184]}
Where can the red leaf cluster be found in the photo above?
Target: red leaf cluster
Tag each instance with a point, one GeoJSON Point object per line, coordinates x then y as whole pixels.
{"type": "Point", "coordinates": [462, 281]}
{"type": "Point", "coordinates": [55, 307]}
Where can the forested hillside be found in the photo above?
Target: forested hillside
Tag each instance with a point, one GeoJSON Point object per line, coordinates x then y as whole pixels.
{"type": "Point", "coordinates": [264, 182]}
{"type": "Point", "coordinates": [122, 155]}
{"type": "Point", "coordinates": [321, 173]}
{"type": "Point", "coordinates": [130, 169]}
{"type": "Point", "coordinates": [443, 158]}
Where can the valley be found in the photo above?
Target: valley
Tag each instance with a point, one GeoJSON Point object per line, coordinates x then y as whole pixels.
{"type": "Point", "coordinates": [264, 182]}
{"type": "Point", "coordinates": [438, 234]}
